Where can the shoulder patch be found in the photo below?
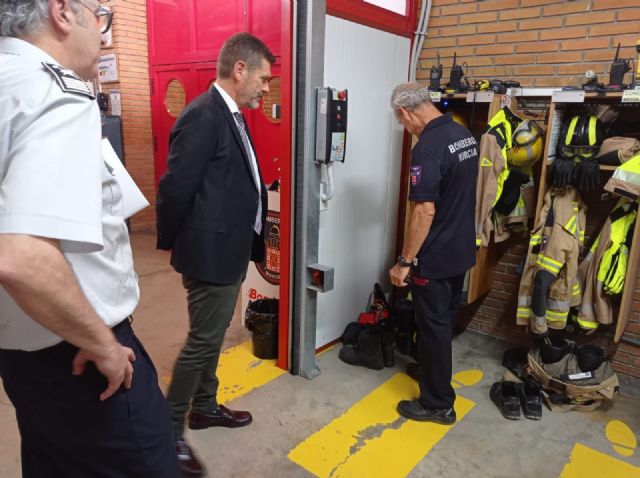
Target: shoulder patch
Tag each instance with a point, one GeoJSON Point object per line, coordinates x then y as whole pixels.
{"type": "Point", "coordinates": [486, 163]}
{"type": "Point", "coordinates": [68, 80]}
{"type": "Point", "coordinates": [416, 175]}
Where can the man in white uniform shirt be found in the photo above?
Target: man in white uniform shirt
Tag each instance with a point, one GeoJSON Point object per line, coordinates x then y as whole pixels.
{"type": "Point", "coordinates": [85, 391]}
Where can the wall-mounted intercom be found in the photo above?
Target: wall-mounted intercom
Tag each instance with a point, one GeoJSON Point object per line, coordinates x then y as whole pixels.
{"type": "Point", "coordinates": [331, 125]}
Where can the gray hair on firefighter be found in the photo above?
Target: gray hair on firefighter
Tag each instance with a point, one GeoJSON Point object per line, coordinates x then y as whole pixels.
{"type": "Point", "coordinates": [22, 17]}
{"type": "Point", "coordinates": [409, 96]}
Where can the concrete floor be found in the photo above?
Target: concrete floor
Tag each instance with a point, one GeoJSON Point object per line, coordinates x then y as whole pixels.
{"type": "Point", "coordinates": [290, 413]}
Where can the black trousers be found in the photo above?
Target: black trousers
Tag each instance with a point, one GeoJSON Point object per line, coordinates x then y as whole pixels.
{"type": "Point", "coordinates": [67, 432]}
{"type": "Point", "coordinates": [436, 303]}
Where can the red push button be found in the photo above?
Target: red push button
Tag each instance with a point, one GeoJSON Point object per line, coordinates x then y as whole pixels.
{"type": "Point", "coordinates": [342, 95]}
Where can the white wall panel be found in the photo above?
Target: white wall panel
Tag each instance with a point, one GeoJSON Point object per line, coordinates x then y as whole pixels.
{"type": "Point", "coordinates": [357, 232]}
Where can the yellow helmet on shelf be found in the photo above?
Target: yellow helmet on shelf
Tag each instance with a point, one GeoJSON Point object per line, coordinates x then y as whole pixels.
{"type": "Point", "coordinates": [526, 144]}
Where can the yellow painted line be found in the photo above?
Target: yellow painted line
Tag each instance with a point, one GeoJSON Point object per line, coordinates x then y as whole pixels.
{"type": "Point", "coordinates": [621, 437]}
{"type": "Point", "coordinates": [240, 372]}
{"type": "Point", "coordinates": [588, 463]}
{"type": "Point", "coordinates": [371, 439]}
{"type": "Point", "coordinates": [466, 378]}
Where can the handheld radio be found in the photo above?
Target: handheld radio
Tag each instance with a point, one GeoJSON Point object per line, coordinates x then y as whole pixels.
{"type": "Point", "coordinates": [435, 74]}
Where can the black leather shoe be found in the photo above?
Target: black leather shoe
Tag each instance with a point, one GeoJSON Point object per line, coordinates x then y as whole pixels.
{"type": "Point", "coordinates": [505, 396]}
{"type": "Point", "coordinates": [222, 417]}
{"type": "Point", "coordinates": [189, 464]}
{"type": "Point", "coordinates": [413, 410]}
{"type": "Point", "coordinates": [530, 400]}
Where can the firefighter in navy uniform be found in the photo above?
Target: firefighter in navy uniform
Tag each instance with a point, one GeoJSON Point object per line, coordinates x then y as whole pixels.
{"type": "Point", "coordinates": [440, 244]}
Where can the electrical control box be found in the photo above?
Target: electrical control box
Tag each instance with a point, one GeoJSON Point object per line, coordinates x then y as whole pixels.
{"type": "Point", "coordinates": [331, 125]}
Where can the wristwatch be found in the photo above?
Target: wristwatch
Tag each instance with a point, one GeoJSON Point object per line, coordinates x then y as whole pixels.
{"type": "Point", "coordinates": [405, 263]}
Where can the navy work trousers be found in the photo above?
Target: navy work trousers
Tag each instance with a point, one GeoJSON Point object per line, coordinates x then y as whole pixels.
{"type": "Point", "coordinates": [67, 432]}
{"type": "Point", "coordinates": [436, 303]}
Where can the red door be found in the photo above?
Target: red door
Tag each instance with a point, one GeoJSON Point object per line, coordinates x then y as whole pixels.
{"type": "Point", "coordinates": [184, 40]}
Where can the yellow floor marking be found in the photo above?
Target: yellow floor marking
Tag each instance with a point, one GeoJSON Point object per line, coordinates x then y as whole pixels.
{"type": "Point", "coordinates": [588, 463]}
{"type": "Point", "coordinates": [371, 439]}
{"type": "Point", "coordinates": [466, 378]}
{"type": "Point", "coordinates": [621, 437]}
{"type": "Point", "coordinates": [240, 372]}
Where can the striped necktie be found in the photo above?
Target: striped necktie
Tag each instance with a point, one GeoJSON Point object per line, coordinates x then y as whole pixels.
{"type": "Point", "coordinates": [247, 148]}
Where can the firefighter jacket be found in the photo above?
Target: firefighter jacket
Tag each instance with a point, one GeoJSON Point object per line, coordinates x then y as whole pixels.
{"type": "Point", "coordinates": [595, 268]}
{"type": "Point", "coordinates": [625, 180]}
{"type": "Point", "coordinates": [492, 174]}
{"type": "Point", "coordinates": [554, 247]}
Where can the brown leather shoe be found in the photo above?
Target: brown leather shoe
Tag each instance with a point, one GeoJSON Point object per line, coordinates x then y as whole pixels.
{"type": "Point", "coordinates": [189, 464]}
{"type": "Point", "coordinates": [222, 417]}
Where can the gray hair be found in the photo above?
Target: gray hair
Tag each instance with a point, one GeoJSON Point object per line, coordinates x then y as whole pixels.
{"type": "Point", "coordinates": [22, 17]}
{"type": "Point", "coordinates": [409, 96]}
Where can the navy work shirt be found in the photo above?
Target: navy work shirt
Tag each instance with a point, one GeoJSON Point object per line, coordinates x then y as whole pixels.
{"type": "Point", "coordinates": [444, 168]}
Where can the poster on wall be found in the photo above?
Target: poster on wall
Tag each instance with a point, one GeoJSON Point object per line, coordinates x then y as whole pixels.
{"type": "Point", "coordinates": [114, 100]}
{"type": "Point", "coordinates": [263, 279]}
{"type": "Point", "coordinates": [108, 68]}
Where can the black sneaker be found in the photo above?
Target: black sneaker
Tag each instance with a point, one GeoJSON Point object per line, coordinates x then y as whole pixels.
{"type": "Point", "coordinates": [413, 410]}
{"type": "Point", "coordinates": [505, 396]}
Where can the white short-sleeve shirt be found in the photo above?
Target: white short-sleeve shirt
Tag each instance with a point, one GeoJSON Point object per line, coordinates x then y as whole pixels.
{"type": "Point", "coordinates": [54, 184]}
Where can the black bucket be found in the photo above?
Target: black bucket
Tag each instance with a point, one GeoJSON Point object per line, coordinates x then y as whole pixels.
{"type": "Point", "coordinates": [261, 318]}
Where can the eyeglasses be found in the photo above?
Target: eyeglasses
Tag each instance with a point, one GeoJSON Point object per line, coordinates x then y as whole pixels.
{"type": "Point", "coordinates": [102, 14]}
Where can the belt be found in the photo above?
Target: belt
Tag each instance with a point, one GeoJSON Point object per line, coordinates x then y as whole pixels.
{"type": "Point", "coordinates": [122, 325]}
{"type": "Point", "coordinates": [51, 362]}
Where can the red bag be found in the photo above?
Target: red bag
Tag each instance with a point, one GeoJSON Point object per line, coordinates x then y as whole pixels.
{"type": "Point", "coordinates": [378, 310]}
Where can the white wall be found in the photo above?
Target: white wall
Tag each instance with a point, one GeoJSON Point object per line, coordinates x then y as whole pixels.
{"type": "Point", "coordinates": [358, 231]}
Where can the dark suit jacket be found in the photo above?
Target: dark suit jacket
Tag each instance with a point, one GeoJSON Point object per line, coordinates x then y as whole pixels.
{"type": "Point", "coordinates": [208, 200]}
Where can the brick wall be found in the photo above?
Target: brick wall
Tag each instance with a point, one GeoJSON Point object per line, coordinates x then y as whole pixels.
{"type": "Point", "coordinates": [540, 43]}
{"type": "Point", "coordinates": [130, 45]}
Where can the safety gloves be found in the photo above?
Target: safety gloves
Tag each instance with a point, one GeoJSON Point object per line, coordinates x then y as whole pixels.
{"type": "Point", "coordinates": [614, 280]}
{"type": "Point", "coordinates": [587, 175]}
{"type": "Point", "coordinates": [562, 171]}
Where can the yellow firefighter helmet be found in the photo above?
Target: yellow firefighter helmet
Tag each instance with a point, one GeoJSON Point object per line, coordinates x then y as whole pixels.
{"type": "Point", "coordinates": [458, 118]}
{"type": "Point", "coordinates": [526, 144]}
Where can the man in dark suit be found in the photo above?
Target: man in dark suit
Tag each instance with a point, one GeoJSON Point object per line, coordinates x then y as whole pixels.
{"type": "Point", "coordinates": [211, 206]}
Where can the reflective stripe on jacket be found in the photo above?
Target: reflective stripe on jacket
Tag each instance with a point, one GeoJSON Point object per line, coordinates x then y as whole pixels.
{"type": "Point", "coordinates": [492, 174]}
{"type": "Point", "coordinates": [625, 180]}
{"type": "Point", "coordinates": [554, 247]}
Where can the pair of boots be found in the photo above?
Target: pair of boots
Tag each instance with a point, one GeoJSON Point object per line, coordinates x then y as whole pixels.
{"type": "Point", "coordinates": [373, 348]}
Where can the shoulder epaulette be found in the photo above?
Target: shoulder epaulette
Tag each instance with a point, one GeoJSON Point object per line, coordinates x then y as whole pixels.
{"type": "Point", "coordinates": [68, 81]}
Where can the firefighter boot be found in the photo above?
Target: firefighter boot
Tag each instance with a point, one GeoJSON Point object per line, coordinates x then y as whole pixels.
{"type": "Point", "coordinates": [367, 352]}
